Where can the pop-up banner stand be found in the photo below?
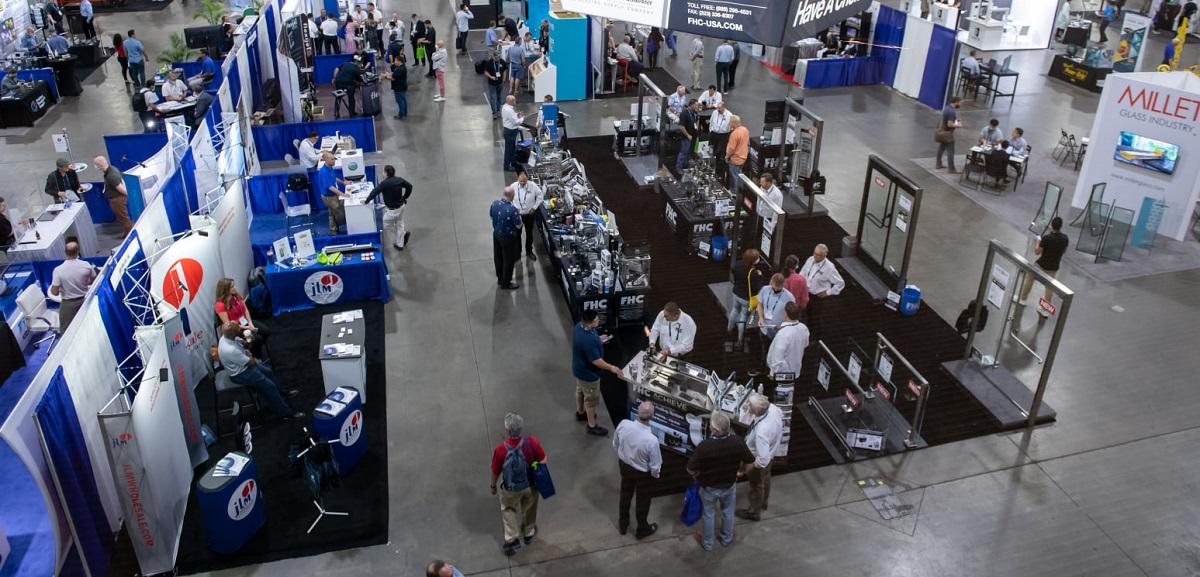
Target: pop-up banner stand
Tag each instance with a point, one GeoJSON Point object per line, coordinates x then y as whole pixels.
{"type": "Point", "coordinates": [183, 283]}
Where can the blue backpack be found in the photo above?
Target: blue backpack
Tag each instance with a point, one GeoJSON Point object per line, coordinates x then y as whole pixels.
{"type": "Point", "coordinates": [515, 470]}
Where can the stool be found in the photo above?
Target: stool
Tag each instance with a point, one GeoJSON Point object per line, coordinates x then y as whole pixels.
{"type": "Point", "coordinates": [222, 382]}
{"type": "Point", "coordinates": [339, 100]}
{"type": "Point", "coordinates": [623, 71]}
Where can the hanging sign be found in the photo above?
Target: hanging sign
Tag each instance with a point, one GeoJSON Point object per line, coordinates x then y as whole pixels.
{"type": "Point", "coordinates": [648, 12]}
{"type": "Point", "coordinates": [808, 17]}
{"type": "Point", "coordinates": [755, 21]}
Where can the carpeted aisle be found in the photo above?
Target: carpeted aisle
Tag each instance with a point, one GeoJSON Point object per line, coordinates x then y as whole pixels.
{"type": "Point", "coordinates": [925, 339]}
{"type": "Point", "coordinates": [289, 509]}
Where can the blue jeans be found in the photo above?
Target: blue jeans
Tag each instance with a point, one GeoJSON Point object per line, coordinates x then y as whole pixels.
{"type": "Point", "coordinates": [735, 172]}
{"type": "Point", "coordinates": [510, 146]}
{"type": "Point", "coordinates": [401, 103]}
{"type": "Point", "coordinates": [137, 73]}
{"type": "Point", "coordinates": [263, 380]}
{"type": "Point", "coordinates": [710, 497]}
{"type": "Point", "coordinates": [685, 152]}
{"type": "Point", "coordinates": [495, 96]}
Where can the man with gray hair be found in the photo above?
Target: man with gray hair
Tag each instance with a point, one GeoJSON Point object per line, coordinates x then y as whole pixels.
{"type": "Point", "coordinates": [640, 460]}
{"type": "Point", "coordinates": [204, 101]}
{"type": "Point", "coordinates": [114, 191]}
{"type": "Point", "coordinates": [763, 439]}
{"type": "Point", "coordinates": [512, 475]}
{"type": "Point", "coordinates": [718, 462]}
{"type": "Point", "coordinates": [824, 281]}
{"type": "Point", "coordinates": [64, 179]}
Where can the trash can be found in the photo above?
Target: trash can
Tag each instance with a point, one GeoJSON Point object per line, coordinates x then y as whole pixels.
{"type": "Point", "coordinates": [910, 300]}
{"type": "Point", "coordinates": [720, 245]}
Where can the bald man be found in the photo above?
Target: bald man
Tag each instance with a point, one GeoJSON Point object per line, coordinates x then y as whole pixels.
{"type": "Point", "coordinates": [114, 192]}
{"type": "Point", "coordinates": [512, 122]}
{"type": "Point", "coordinates": [640, 460]}
{"type": "Point", "coordinates": [70, 282]}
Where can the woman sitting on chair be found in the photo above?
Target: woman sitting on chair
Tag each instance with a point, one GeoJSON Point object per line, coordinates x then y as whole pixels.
{"type": "Point", "coordinates": [231, 307]}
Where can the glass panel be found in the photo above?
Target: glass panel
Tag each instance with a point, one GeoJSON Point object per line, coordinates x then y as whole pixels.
{"type": "Point", "coordinates": [1049, 208]}
{"type": "Point", "coordinates": [898, 236]}
{"type": "Point", "coordinates": [1092, 232]}
{"type": "Point", "coordinates": [1002, 284]}
{"type": "Point", "coordinates": [1119, 225]}
{"type": "Point", "coordinates": [875, 220]}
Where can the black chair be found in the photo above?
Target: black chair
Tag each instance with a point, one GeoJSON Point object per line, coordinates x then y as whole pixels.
{"type": "Point", "coordinates": [1063, 142]}
{"type": "Point", "coordinates": [976, 162]}
{"type": "Point", "coordinates": [996, 168]}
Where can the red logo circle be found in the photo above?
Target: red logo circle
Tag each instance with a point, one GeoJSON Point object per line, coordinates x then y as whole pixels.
{"type": "Point", "coordinates": [182, 280]}
{"type": "Point", "coordinates": [248, 488]}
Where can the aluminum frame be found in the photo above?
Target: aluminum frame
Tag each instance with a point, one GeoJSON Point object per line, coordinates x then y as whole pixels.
{"type": "Point", "coordinates": [791, 105]}
{"type": "Point", "coordinates": [735, 247]}
{"type": "Point", "coordinates": [644, 82]}
{"type": "Point", "coordinates": [898, 179]}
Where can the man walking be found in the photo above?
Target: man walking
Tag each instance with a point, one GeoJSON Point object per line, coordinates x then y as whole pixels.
{"type": "Point", "coordinates": [114, 191]}
{"type": "Point", "coordinates": [1050, 250]}
{"type": "Point", "coordinates": [766, 433]}
{"type": "Point", "coordinates": [395, 191]}
{"type": "Point", "coordinates": [944, 135]}
{"type": "Point", "coordinates": [639, 460]}
{"type": "Point", "coordinates": [512, 480]}
{"type": "Point", "coordinates": [587, 359]}
{"type": "Point", "coordinates": [494, 70]}
{"type": "Point", "coordinates": [136, 52]}
{"type": "Point", "coordinates": [462, 21]}
{"type": "Point", "coordinates": [528, 199]}
{"type": "Point", "coordinates": [718, 462]}
{"type": "Point", "coordinates": [416, 32]}
{"type": "Point", "coordinates": [724, 59]}
{"type": "Point", "coordinates": [506, 238]}
{"type": "Point", "coordinates": [696, 54]}
{"type": "Point", "coordinates": [511, 120]}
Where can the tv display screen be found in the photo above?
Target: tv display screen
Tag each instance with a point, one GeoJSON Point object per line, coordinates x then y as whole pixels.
{"type": "Point", "coordinates": [1147, 153]}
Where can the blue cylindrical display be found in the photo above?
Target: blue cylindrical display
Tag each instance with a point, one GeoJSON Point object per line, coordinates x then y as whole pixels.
{"type": "Point", "coordinates": [910, 300]}
{"type": "Point", "coordinates": [340, 416]}
{"type": "Point", "coordinates": [231, 506]}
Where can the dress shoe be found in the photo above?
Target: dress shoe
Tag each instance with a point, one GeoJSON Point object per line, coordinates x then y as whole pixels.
{"type": "Point", "coordinates": [747, 515]}
{"type": "Point", "coordinates": [291, 393]}
{"type": "Point", "coordinates": [529, 538]}
{"type": "Point", "coordinates": [532, 256]}
{"type": "Point", "coordinates": [581, 417]}
{"type": "Point", "coordinates": [648, 532]}
{"type": "Point", "coordinates": [510, 286]}
{"type": "Point", "coordinates": [623, 529]}
{"type": "Point", "coordinates": [511, 547]}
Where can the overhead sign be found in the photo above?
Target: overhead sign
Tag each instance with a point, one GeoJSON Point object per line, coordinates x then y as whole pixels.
{"type": "Point", "coordinates": [648, 12]}
{"type": "Point", "coordinates": [808, 17]}
{"type": "Point", "coordinates": [755, 21]}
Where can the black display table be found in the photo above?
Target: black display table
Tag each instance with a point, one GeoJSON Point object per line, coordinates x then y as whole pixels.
{"type": "Point", "coordinates": [64, 73]}
{"type": "Point", "coordinates": [1077, 73]}
{"type": "Point", "coordinates": [27, 105]}
{"type": "Point", "coordinates": [626, 135]}
{"type": "Point", "coordinates": [690, 227]}
{"type": "Point", "coordinates": [88, 54]}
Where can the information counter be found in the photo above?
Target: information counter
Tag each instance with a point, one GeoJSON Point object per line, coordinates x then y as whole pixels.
{"type": "Point", "coordinates": [1074, 71]}
{"type": "Point", "coordinates": [27, 105]}
{"type": "Point", "coordinates": [360, 276]}
{"type": "Point", "coordinates": [694, 224]}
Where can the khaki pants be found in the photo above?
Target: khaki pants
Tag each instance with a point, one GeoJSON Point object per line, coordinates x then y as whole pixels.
{"type": "Point", "coordinates": [696, 64]}
{"type": "Point", "coordinates": [587, 393]}
{"type": "Point", "coordinates": [67, 310]}
{"type": "Point", "coordinates": [760, 488]}
{"type": "Point", "coordinates": [518, 513]}
{"type": "Point", "coordinates": [1025, 288]}
{"type": "Point", "coordinates": [120, 208]}
{"type": "Point", "coordinates": [393, 221]}
{"type": "Point", "coordinates": [337, 213]}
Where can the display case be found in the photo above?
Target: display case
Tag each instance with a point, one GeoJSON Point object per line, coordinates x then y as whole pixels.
{"type": "Point", "coordinates": [698, 208]}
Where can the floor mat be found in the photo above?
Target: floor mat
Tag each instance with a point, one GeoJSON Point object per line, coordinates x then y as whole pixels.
{"type": "Point", "coordinates": [659, 76]}
{"type": "Point", "coordinates": [83, 72]}
{"type": "Point", "coordinates": [926, 339]}
{"type": "Point", "coordinates": [131, 6]}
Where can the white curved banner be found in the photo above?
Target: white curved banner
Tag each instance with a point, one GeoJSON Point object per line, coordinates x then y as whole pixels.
{"type": "Point", "coordinates": [183, 280]}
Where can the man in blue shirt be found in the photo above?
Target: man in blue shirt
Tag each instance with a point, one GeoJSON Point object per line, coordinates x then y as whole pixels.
{"type": "Point", "coordinates": [208, 68]}
{"type": "Point", "coordinates": [86, 12]}
{"type": "Point", "coordinates": [29, 40]}
{"type": "Point", "coordinates": [724, 60]}
{"type": "Point", "coordinates": [331, 195]}
{"type": "Point", "coordinates": [57, 44]}
{"type": "Point", "coordinates": [506, 238]}
{"type": "Point", "coordinates": [587, 354]}
{"type": "Point", "coordinates": [136, 52]}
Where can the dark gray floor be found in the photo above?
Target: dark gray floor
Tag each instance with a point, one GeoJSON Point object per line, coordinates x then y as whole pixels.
{"type": "Point", "coordinates": [1105, 491]}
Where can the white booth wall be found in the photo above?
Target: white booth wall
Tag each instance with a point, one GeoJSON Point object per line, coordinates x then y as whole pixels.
{"type": "Point", "coordinates": [1038, 15]}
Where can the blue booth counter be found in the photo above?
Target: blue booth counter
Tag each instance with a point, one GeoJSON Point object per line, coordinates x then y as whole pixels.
{"type": "Point", "coordinates": [361, 276]}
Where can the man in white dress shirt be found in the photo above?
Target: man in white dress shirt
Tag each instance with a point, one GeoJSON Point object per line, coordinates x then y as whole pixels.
{"type": "Point", "coordinates": [766, 432]}
{"type": "Point", "coordinates": [786, 354]}
{"type": "Point", "coordinates": [673, 332]}
{"type": "Point", "coordinates": [640, 461]}
{"type": "Point", "coordinates": [310, 155]}
{"type": "Point", "coordinates": [710, 98]}
{"type": "Point", "coordinates": [527, 197]}
{"type": "Point", "coordinates": [824, 281]}
{"type": "Point", "coordinates": [511, 120]}
{"type": "Point", "coordinates": [767, 183]}
{"type": "Point", "coordinates": [719, 128]}
{"type": "Point", "coordinates": [174, 89]}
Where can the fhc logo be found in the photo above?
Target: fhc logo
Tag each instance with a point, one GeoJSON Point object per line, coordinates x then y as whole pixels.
{"type": "Point", "coordinates": [352, 428]}
{"type": "Point", "coordinates": [182, 281]}
{"type": "Point", "coordinates": [242, 500]}
{"type": "Point", "coordinates": [596, 305]}
{"type": "Point", "coordinates": [701, 228]}
{"type": "Point", "coordinates": [122, 440]}
{"type": "Point", "coordinates": [323, 287]}
{"type": "Point", "coordinates": [633, 300]}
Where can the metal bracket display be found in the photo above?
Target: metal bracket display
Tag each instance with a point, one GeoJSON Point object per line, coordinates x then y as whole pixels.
{"type": "Point", "coordinates": [645, 83]}
{"type": "Point", "coordinates": [811, 183]}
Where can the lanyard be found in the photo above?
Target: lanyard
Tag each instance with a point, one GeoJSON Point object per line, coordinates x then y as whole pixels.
{"type": "Point", "coordinates": [675, 329]}
{"type": "Point", "coordinates": [818, 269]}
{"type": "Point", "coordinates": [770, 310]}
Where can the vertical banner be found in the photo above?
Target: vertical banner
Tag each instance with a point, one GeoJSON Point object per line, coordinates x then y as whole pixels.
{"type": "Point", "coordinates": [183, 282]}
{"type": "Point", "coordinates": [173, 334]}
{"type": "Point", "coordinates": [149, 459]}
{"type": "Point", "coordinates": [1133, 37]}
{"type": "Point", "coordinates": [233, 233]}
{"type": "Point", "coordinates": [208, 179]}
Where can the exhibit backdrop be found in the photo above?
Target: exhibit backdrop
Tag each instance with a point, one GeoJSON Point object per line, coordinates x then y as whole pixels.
{"type": "Point", "coordinates": [183, 280]}
{"type": "Point", "coordinates": [1133, 35]}
{"type": "Point", "coordinates": [1145, 142]}
{"type": "Point", "coordinates": [233, 231]}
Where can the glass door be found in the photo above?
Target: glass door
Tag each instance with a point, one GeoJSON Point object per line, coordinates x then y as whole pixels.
{"type": "Point", "coordinates": [893, 259]}
{"type": "Point", "coordinates": [877, 216]}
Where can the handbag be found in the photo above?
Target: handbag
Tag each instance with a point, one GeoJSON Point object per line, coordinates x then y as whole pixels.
{"type": "Point", "coordinates": [942, 134]}
{"type": "Point", "coordinates": [750, 291]}
{"type": "Point", "coordinates": [421, 52]}
{"type": "Point", "coordinates": [693, 509]}
{"type": "Point", "coordinates": [542, 480]}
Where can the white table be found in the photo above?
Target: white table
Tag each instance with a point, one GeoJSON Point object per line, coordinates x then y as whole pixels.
{"type": "Point", "coordinates": [360, 214]}
{"type": "Point", "coordinates": [73, 220]}
{"type": "Point", "coordinates": [347, 370]}
{"type": "Point", "coordinates": [985, 34]}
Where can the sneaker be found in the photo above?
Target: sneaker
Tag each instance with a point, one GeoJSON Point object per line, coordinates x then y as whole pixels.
{"type": "Point", "coordinates": [510, 286]}
{"type": "Point", "coordinates": [747, 515]}
{"type": "Point", "coordinates": [648, 532]}
{"type": "Point", "coordinates": [597, 431]}
{"type": "Point", "coordinates": [439, 98]}
{"type": "Point", "coordinates": [511, 547]}
{"type": "Point", "coordinates": [397, 247]}
{"type": "Point", "coordinates": [529, 538]}
{"type": "Point", "coordinates": [700, 540]}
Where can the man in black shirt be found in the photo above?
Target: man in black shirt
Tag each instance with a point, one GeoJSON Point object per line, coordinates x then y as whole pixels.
{"type": "Point", "coordinates": [349, 75]}
{"type": "Point", "coordinates": [1050, 250]}
{"type": "Point", "coordinates": [717, 464]}
{"type": "Point", "coordinates": [689, 128]}
{"type": "Point", "coordinates": [395, 191]}
{"type": "Point", "coordinates": [430, 43]}
{"type": "Point", "coordinates": [61, 181]}
{"type": "Point", "coordinates": [494, 70]}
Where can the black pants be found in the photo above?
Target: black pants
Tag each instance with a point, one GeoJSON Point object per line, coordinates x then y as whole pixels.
{"type": "Point", "coordinates": [813, 311]}
{"type": "Point", "coordinates": [1103, 25]}
{"type": "Point", "coordinates": [259, 343]}
{"type": "Point", "coordinates": [89, 29]}
{"type": "Point", "coordinates": [331, 45]}
{"type": "Point", "coordinates": [732, 74]}
{"type": "Point", "coordinates": [719, 141]}
{"type": "Point", "coordinates": [529, 222]}
{"type": "Point", "coordinates": [723, 76]}
{"type": "Point", "coordinates": [351, 94]}
{"type": "Point", "coordinates": [124, 60]}
{"type": "Point", "coordinates": [462, 41]}
{"type": "Point", "coordinates": [505, 251]}
{"type": "Point", "coordinates": [633, 482]}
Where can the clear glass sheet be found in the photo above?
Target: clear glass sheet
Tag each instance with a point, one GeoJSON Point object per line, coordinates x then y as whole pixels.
{"type": "Point", "coordinates": [1092, 232]}
{"type": "Point", "coordinates": [1049, 208]}
{"type": "Point", "coordinates": [875, 221]}
{"type": "Point", "coordinates": [899, 234]}
{"type": "Point", "coordinates": [1120, 223]}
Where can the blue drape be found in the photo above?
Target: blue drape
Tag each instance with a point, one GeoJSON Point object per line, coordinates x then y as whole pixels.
{"type": "Point", "coordinates": [192, 68]}
{"type": "Point", "coordinates": [98, 205]}
{"type": "Point", "coordinates": [43, 270]}
{"type": "Point", "coordinates": [118, 319]}
{"type": "Point", "coordinates": [172, 193]}
{"type": "Point", "coordinates": [256, 76]}
{"type": "Point", "coordinates": [235, 85]}
{"type": "Point", "coordinates": [331, 7]}
{"type": "Point", "coordinates": [273, 141]}
{"type": "Point", "coordinates": [889, 33]}
{"type": "Point", "coordinates": [324, 65]}
{"type": "Point", "coordinates": [272, 37]}
{"type": "Point", "coordinates": [77, 485]}
{"type": "Point", "coordinates": [187, 166]}
{"type": "Point", "coordinates": [46, 74]}
{"type": "Point", "coordinates": [833, 72]}
{"type": "Point", "coordinates": [126, 150]}
{"type": "Point", "coordinates": [265, 188]}
{"type": "Point", "coordinates": [938, 64]}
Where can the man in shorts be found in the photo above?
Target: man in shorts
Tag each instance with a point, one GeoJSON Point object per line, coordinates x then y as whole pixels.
{"type": "Point", "coordinates": [587, 353]}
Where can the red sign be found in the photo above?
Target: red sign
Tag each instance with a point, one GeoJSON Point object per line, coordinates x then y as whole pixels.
{"type": "Point", "coordinates": [183, 279]}
{"type": "Point", "coordinates": [883, 391]}
{"type": "Point", "coordinates": [914, 388]}
{"type": "Point", "coordinates": [851, 398]}
{"type": "Point", "coordinates": [1170, 105]}
{"type": "Point", "coordinates": [1047, 306]}
{"type": "Point", "coordinates": [880, 182]}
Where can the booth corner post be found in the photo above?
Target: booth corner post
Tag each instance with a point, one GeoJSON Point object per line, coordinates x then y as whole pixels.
{"type": "Point", "coordinates": [775, 247]}
{"type": "Point", "coordinates": [797, 106]}
{"type": "Point", "coordinates": [1065, 294]}
{"type": "Point", "coordinates": [643, 82]}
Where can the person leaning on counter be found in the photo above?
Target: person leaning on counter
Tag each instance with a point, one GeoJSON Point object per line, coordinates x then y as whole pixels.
{"type": "Point", "coordinates": [673, 331]}
{"type": "Point", "coordinates": [331, 195]}
{"type": "Point", "coordinates": [61, 181]}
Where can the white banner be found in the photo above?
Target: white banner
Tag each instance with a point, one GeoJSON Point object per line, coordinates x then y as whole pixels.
{"type": "Point", "coordinates": [184, 279]}
{"type": "Point", "coordinates": [648, 12]}
{"type": "Point", "coordinates": [208, 179]}
{"type": "Point", "coordinates": [233, 231]}
{"type": "Point", "coordinates": [172, 333]}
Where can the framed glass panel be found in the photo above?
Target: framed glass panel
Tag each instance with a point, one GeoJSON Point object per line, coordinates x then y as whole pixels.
{"type": "Point", "coordinates": [1120, 223]}
{"type": "Point", "coordinates": [901, 219]}
{"type": "Point", "coordinates": [1091, 236]}
{"type": "Point", "coordinates": [1048, 210]}
{"type": "Point", "coordinates": [876, 218]}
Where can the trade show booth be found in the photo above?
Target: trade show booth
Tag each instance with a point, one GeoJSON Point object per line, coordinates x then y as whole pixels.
{"type": "Point", "coordinates": [998, 25]}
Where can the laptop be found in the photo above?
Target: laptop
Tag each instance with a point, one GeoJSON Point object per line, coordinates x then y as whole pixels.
{"type": "Point", "coordinates": [1004, 66]}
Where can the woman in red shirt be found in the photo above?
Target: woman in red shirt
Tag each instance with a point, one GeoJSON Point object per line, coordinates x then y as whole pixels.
{"type": "Point", "coordinates": [795, 282]}
{"type": "Point", "coordinates": [232, 307]}
{"type": "Point", "coordinates": [122, 57]}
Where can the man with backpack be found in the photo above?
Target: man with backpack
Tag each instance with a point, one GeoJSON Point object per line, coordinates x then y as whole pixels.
{"type": "Point", "coordinates": [512, 464]}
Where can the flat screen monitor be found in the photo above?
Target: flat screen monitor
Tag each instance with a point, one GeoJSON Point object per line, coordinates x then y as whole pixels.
{"type": "Point", "coordinates": [1147, 153]}
{"type": "Point", "coordinates": [202, 37]}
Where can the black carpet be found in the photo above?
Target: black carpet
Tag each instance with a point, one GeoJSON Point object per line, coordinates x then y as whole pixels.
{"type": "Point", "coordinates": [289, 509]}
{"type": "Point", "coordinates": [659, 76]}
{"type": "Point", "coordinates": [925, 339]}
{"type": "Point", "coordinates": [131, 6]}
{"type": "Point", "coordinates": [82, 72]}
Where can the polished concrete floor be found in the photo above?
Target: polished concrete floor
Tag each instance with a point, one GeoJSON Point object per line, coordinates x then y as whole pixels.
{"type": "Point", "coordinates": [1107, 490]}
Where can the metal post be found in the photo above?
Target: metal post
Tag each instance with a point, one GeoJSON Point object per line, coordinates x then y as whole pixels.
{"type": "Point", "coordinates": [1044, 378]}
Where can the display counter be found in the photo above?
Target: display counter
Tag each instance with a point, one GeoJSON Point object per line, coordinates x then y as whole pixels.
{"type": "Point", "coordinates": [696, 212]}
{"type": "Point", "coordinates": [1074, 71]}
{"type": "Point", "coordinates": [64, 73]}
{"type": "Point", "coordinates": [26, 105]}
{"type": "Point", "coordinates": [625, 136]}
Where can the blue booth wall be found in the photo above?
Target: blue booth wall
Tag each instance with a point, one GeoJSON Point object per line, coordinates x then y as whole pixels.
{"type": "Point", "coordinates": [938, 63]}
{"type": "Point", "coordinates": [264, 191]}
{"type": "Point", "coordinates": [46, 74]}
{"type": "Point", "coordinates": [325, 64]}
{"type": "Point", "coordinates": [125, 151]}
{"type": "Point", "coordinates": [273, 141]}
{"type": "Point", "coordinates": [192, 68]}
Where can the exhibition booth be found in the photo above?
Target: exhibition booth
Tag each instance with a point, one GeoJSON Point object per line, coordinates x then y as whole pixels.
{"type": "Point", "coordinates": [120, 420]}
{"type": "Point", "coordinates": [1005, 25]}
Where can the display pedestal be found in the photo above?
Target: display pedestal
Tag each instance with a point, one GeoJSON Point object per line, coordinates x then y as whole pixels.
{"type": "Point", "coordinates": [1000, 392]}
{"type": "Point", "coordinates": [339, 420]}
{"type": "Point", "coordinates": [875, 414]}
{"type": "Point", "coordinates": [231, 507]}
{"type": "Point", "coordinates": [64, 73]}
{"type": "Point", "coordinates": [348, 371]}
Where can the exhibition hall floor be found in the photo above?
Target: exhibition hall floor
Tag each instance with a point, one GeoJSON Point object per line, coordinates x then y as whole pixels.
{"type": "Point", "coordinates": [1103, 491]}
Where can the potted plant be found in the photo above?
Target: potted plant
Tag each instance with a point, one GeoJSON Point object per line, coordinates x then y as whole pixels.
{"type": "Point", "coordinates": [177, 52]}
{"type": "Point", "coordinates": [211, 11]}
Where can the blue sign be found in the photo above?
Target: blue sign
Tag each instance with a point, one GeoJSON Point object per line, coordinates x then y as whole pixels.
{"type": "Point", "coordinates": [550, 120]}
{"type": "Point", "coordinates": [1148, 221]}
